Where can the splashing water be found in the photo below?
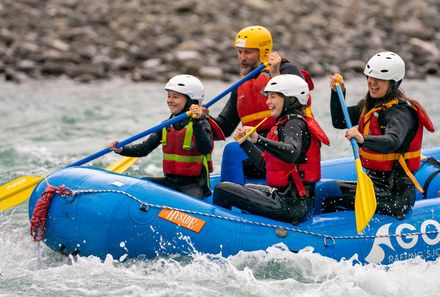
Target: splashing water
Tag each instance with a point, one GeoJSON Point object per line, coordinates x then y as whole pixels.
{"type": "Point", "coordinates": [48, 125]}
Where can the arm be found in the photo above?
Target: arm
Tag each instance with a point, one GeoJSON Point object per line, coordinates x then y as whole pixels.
{"type": "Point", "coordinates": [228, 118]}
{"type": "Point", "coordinates": [144, 148]}
{"type": "Point", "coordinates": [400, 127]}
{"type": "Point", "coordinates": [338, 119]}
{"type": "Point", "coordinates": [288, 68]}
{"type": "Point", "coordinates": [294, 139]}
{"type": "Point", "coordinates": [202, 131]}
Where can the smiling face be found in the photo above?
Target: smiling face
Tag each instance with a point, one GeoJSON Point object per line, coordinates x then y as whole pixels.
{"type": "Point", "coordinates": [249, 59]}
{"type": "Point", "coordinates": [176, 102]}
{"type": "Point", "coordinates": [275, 103]}
{"type": "Point", "coordinates": [378, 88]}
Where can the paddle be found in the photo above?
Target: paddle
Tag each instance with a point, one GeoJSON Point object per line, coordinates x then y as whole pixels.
{"type": "Point", "coordinates": [122, 164]}
{"type": "Point", "coordinates": [18, 190]}
{"type": "Point", "coordinates": [250, 131]}
{"type": "Point", "coordinates": [365, 200]}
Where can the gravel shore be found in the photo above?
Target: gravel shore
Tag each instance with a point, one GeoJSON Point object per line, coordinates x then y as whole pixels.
{"type": "Point", "coordinates": [151, 40]}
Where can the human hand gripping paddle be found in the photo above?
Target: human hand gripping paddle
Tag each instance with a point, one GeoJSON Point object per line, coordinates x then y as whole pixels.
{"type": "Point", "coordinates": [365, 199]}
{"type": "Point", "coordinates": [19, 190]}
{"type": "Point", "coordinates": [250, 131]}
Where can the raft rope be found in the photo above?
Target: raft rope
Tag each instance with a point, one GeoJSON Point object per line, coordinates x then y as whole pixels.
{"type": "Point", "coordinates": [39, 215]}
{"type": "Point", "coordinates": [40, 212]}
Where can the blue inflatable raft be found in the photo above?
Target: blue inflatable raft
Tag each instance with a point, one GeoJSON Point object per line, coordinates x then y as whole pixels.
{"type": "Point", "coordinates": [129, 217]}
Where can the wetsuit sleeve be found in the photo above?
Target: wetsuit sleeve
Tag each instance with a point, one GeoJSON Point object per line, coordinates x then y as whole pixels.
{"type": "Point", "coordinates": [144, 148]}
{"type": "Point", "coordinates": [255, 155]}
{"type": "Point", "coordinates": [288, 68]}
{"type": "Point", "coordinates": [400, 127]}
{"type": "Point", "coordinates": [338, 119]}
{"type": "Point", "coordinates": [228, 118]}
{"type": "Point", "coordinates": [202, 131]}
{"type": "Point", "coordinates": [295, 138]}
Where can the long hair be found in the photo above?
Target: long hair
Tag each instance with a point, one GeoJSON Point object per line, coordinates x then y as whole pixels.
{"type": "Point", "coordinates": [292, 106]}
{"type": "Point", "coordinates": [368, 102]}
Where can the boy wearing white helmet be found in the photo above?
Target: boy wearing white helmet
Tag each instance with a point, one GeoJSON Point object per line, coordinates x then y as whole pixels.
{"type": "Point", "coordinates": [291, 160]}
{"type": "Point", "coordinates": [186, 145]}
{"type": "Point", "coordinates": [389, 133]}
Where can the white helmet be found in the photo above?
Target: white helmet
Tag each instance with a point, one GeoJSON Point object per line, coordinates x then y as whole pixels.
{"type": "Point", "coordinates": [188, 85]}
{"type": "Point", "coordinates": [289, 85]}
{"type": "Point", "coordinates": [386, 66]}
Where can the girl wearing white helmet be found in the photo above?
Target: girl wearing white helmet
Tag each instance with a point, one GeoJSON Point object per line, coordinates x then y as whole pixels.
{"type": "Point", "coordinates": [186, 145]}
{"type": "Point", "coordinates": [389, 133]}
{"type": "Point", "coordinates": [291, 159]}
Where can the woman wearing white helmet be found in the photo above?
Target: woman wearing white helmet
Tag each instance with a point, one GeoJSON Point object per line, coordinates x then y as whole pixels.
{"type": "Point", "coordinates": [389, 134]}
{"type": "Point", "coordinates": [291, 160]}
{"type": "Point", "coordinates": [186, 145]}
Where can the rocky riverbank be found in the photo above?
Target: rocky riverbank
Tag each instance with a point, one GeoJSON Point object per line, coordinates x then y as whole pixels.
{"type": "Point", "coordinates": [153, 40]}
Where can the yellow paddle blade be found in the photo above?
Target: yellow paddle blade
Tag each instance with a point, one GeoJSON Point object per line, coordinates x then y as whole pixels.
{"type": "Point", "coordinates": [17, 191]}
{"type": "Point", "coordinates": [365, 200]}
{"type": "Point", "coordinates": [121, 165]}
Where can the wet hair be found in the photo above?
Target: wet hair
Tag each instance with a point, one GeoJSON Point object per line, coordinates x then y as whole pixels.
{"type": "Point", "coordinates": [189, 102]}
{"type": "Point", "coordinates": [291, 106]}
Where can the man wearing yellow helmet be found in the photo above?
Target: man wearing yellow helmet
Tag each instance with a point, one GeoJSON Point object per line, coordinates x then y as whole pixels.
{"type": "Point", "coordinates": [247, 103]}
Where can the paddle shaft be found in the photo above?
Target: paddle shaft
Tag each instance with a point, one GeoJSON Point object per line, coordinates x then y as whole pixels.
{"type": "Point", "coordinates": [168, 122]}
{"type": "Point", "coordinates": [354, 144]}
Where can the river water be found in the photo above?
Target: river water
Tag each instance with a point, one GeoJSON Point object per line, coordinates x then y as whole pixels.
{"type": "Point", "coordinates": [50, 124]}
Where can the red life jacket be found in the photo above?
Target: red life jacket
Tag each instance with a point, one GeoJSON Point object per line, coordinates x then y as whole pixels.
{"type": "Point", "coordinates": [180, 154]}
{"type": "Point", "coordinates": [251, 102]}
{"type": "Point", "coordinates": [369, 125]}
{"type": "Point", "coordinates": [278, 172]}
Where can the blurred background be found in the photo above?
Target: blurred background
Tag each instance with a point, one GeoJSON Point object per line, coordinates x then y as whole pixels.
{"type": "Point", "coordinates": [151, 40]}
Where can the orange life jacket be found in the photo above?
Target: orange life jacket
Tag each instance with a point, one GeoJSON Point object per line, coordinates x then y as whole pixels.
{"type": "Point", "coordinates": [369, 125]}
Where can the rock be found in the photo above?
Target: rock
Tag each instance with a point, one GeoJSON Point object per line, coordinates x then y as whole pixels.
{"type": "Point", "coordinates": [153, 40]}
{"type": "Point", "coordinates": [59, 45]}
{"type": "Point", "coordinates": [356, 65]}
{"type": "Point", "coordinates": [7, 37]}
{"type": "Point", "coordinates": [424, 47]}
{"type": "Point", "coordinates": [211, 72]}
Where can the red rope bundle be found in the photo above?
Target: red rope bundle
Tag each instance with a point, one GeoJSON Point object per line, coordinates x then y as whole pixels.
{"type": "Point", "coordinates": [38, 221]}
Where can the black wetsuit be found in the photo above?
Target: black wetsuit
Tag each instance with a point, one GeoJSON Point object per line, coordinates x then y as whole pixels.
{"type": "Point", "coordinates": [395, 192]}
{"type": "Point", "coordinates": [281, 204]}
{"type": "Point", "coordinates": [196, 186]}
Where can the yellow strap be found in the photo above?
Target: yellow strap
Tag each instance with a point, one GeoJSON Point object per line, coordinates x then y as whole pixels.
{"type": "Point", "coordinates": [187, 139]}
{"type": "Point", "coordinates": [205, 161]}
{"type": "Point", "coordinates": [191, 159]}
{"type": "Point", "coordinates": [409, 173]}
{"type": "Point", "coordinates": [188, 136]}
{"type": "Point", "coordinates": [368, 115]}
{"type": "Point", "coordinates": [163, 141]}
{"type": "Point", "coordinates": [180, 158]}
{"type": "Point", "coordinates": [389, 157]}
{"type": "Point", "coordinates": [255, 116]}
{"type": "Point", "coordinates": [308, 112]}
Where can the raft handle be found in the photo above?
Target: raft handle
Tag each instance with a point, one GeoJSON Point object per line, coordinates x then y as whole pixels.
{"type": "Point", "coordinates": [144, 207]}
{"type": "Point", "coordinates": [332, 241]}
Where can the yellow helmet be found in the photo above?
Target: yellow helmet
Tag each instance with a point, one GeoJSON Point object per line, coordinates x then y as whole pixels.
{"type": "Point", "coordinates": [255, 37]}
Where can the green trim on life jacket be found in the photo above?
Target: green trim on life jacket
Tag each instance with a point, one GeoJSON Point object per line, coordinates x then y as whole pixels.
{"type": "Point", "coordinates": [188, 136]}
